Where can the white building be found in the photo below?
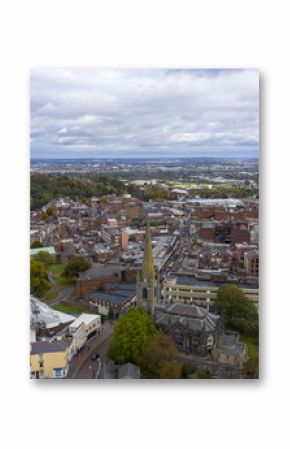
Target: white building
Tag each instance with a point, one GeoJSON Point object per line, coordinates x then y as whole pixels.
{"type": "Point", "coordinates": [79, 338]}
{"type": "Point", "coordinates": [91, 322]}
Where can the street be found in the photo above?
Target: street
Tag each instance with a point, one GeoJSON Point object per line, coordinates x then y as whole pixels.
{"type": "Point", "coordinates": [82, 367]}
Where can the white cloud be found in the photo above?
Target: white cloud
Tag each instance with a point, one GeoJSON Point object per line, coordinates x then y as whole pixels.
{"type": "Point", "coordinates": [164, 112]}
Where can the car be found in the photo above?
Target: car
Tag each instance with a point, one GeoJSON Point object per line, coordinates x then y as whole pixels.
{"type": "Point", "coordinates": [95, 356]}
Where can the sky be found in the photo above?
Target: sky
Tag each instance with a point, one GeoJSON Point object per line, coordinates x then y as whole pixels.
{"type": "Point", "coordinates": [140, 113]}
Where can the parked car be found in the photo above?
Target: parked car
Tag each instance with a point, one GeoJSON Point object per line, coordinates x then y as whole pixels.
{"type": "Point", "coordinates": [95, 356]}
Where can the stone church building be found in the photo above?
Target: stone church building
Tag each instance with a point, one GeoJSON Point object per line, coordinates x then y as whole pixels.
{"type": "Point", "coordinates": [193, 329]}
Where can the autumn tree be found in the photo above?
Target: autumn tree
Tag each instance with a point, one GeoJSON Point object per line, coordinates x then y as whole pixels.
{"type": "Point", "coordinates": [251, 368]}
{"type": "Point", "coordinates": [156, 359]}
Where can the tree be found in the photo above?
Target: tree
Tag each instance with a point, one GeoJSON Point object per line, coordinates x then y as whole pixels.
{"type": "Point", "coordinates": [131, 335]}
{"type": "Point", "coordinates": [170, 371]}
{"type": "Point", "coordinates": [39, 283]}
{"type": "Point", "coordinates": [239, 312]}
{"type": "Point", "coordinates": [44, 257]}
{"type": "Point", "coordinates": [251, 368]}
{"type": "Point", "coordinates": [187, 370]}
{"type": "Point", "coordinates": [45, 217]}
{"type": "Point", "coordinates": [37, 244]}
{"type": "Point", "coordinates": [76, 265]}
{"type": "Point", "coordinates": [51, 210]}
{"type": "Point", "coordinates": [132, 238]}
{"type": "Point", "coordinates": [155, 361]}
{"type": "Point", "coordinates": [192, 372]}
{"type": "Point", "coordinates": [111, 314]}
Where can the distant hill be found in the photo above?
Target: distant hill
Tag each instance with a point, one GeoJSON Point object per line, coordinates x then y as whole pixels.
{"type": "Point", "coordinates": [45, 187]}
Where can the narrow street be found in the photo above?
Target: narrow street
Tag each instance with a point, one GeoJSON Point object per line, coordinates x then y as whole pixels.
{"type": "Point", "coordinates": [82, 366]}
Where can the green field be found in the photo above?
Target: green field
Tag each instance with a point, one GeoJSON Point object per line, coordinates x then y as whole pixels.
{"type": "Point", "coordinates": [51, 295]}
{"type": "Point", "coordinates": [252, 345]}
{"type": "Point", "coordinates": [67, 308]}
{"type": "Point", "coordinates": [61, 281]}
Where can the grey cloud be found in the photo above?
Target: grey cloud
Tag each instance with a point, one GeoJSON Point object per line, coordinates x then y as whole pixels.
{"type": "Point", "coordinates": [176, 112]}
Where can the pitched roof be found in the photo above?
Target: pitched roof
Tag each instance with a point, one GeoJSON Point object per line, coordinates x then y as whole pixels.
{"type": "Point", "coordinates": [128, 371]}
{"type": "Point", "coordinates": [40, 347]}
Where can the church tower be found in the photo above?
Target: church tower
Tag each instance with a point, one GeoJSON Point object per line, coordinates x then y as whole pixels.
{"type": "Point", "coordinates": [148, 279]}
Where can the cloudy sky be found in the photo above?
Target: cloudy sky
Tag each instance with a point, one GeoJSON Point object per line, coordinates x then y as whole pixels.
{"type": "Point", "coordinates": [144, 113]}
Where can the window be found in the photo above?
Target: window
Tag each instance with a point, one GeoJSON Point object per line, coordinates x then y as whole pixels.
{"type": "Point", "coordinates": [58, 372]}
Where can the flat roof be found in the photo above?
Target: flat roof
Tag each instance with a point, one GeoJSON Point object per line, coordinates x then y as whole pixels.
{"type": "Point", "coordinates": [85, 318]}
{"type": "Point", "coordinates": [47, 249]}
{"type": "Point", "coordinates": [187, 280]}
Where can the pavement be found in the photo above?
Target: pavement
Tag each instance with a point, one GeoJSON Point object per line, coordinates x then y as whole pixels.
{"type": "Point", "coordinates": [82, 366]}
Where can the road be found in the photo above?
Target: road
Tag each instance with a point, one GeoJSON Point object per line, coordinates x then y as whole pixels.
{"type": "Point", "coordinates": [82, 367]}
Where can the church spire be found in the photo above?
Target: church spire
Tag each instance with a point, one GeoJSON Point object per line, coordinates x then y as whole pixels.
{"type": "Point", "coordinates": [148, 280]}
{"type": "Point", "coordinates": [148, 262]}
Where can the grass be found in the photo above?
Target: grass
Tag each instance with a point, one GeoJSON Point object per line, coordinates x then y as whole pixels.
{"type": "Point", "coordinates": [67, 308]}
{"type": "Point", "coordinates": [51, 295]}
{"type": "Point", "coordinates": [57, 270]}
{"type": "Point", "coordinates": [252, 345]}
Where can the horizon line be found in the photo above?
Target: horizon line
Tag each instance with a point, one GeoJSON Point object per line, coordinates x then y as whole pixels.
{"type": "Point", "coordinates": [136, 158]}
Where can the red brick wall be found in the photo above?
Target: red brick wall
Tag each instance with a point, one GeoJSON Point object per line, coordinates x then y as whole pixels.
{"type": "Point", "coordinates": [85, 287]}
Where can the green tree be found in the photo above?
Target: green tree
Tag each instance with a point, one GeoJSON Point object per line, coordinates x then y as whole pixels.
{"type": "Point", "coordinates": [44, 187]}
{"type": "Point", "coordinates": [187, 370]}
{"type": "Point", "coordinates": [37, 244]}
{"type": "Point", "coordinates": [131, 335]}
{"type": "Point", "coordinates": [39, 283]}
{"type": "Point", "coordinates": [239, 312]}
{"type": "Point", "coordinates": [45, 257]}
{"type": "Point", "coordinates": [75, 265]}
{"type": "Point", "coordinates": [111, 314]}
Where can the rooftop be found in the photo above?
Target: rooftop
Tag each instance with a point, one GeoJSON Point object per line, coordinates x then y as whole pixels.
{"type": "Point", "coordinates": [47, 249]}
{"type": "Point", "coordinates": [129, 371]}
{"type": "Point", "coordinates": [44, 316]}
{"type": "Point", "coordinates": [40, 347]}
{"type": "Point", "coordinates": [121, 295]}
{"type": "Point", "coordinates": [85, 318]}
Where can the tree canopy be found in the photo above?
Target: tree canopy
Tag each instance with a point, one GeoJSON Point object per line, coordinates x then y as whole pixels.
{"type": "Point", "coordinates": [239, 312]}
{"type": "Point", "coordinates": [37, 244]}
{"type": "Point", "coordinates": [251, 368]}
{"type": "Point", "coordinates": [39, 283]}
{"type": "Point", "coordinates": [45, 257]}
{"type": "Point", "coordinates": [137, 340]}
{"type": "Point", "coordinates": [45, 187]}
{"type": "Point", "coordinates": [131, 334]}
{"type": "Point", "coordinates": [111, 314]}
{"type": "Point", "coordinates": [156, 360]}
{"type": "Point", "coordinates": [75, 265]}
